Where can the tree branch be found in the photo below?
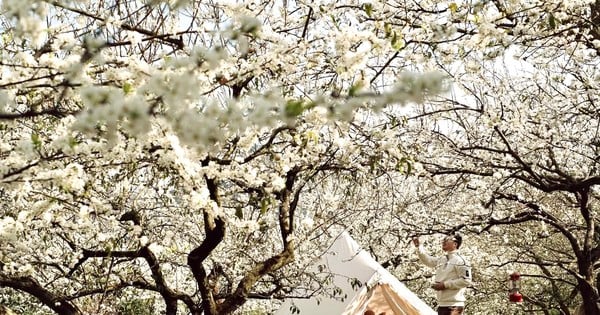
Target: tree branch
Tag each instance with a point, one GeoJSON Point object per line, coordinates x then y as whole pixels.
{"type": "Point", "coordinates": [29, 285]}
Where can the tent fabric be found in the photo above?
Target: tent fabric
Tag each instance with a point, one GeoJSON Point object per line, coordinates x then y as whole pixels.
{"type": "Point", "coordinates": [383, 299]}
{"type": "Point", "coordinates": [380, 290]}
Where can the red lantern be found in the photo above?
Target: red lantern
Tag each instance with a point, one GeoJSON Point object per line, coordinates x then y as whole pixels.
{"type": "Point", "coordinates": [515, 284]}
{"type": "Point", "coordinates": [515, 297]}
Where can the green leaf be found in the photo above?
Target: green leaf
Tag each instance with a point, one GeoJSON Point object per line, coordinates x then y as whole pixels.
{"type": "Point", "coordinates": [264, 205]}
{"type": "Point", "coordinates": [294, 108]}
{"type": "Point", "coordinates": [354, 89]}
{"type": "Point", "coordinates": [36, 140]}
{"type": "Point", "coordinates": [453, 7]}
{"type": "Point", "coordinates": [355, 283]}
{"type": "Point", "coordinates": [397, 42]}
{"type": "Point", "coordinates": [551, 21]}
{"type": "Point", "coordinates": [335, 22]}
{"type": "Point", "coordinates": [368, 9]}
{"type": "Point", "coordinates": [72, 142]}
{"type": "Point", "coordinates": [388, 30]}
{"type": "Point", "coordinates": [127, 88]}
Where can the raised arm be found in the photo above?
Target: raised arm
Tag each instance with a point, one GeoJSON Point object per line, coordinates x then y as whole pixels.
{"type": "Point", "coordinates": [425, 258]}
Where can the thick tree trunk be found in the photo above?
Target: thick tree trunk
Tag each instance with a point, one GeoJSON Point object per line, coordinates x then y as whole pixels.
{"type": "Point", "coordinates": [589, 294]}
{"type": "Point", "coordinates": [196, 257]}
{"type": "Point", "coordinates": [586, 284]}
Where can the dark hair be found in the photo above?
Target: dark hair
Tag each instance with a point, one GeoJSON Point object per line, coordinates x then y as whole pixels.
{"type": "Point", "coordinates": [457, 238]}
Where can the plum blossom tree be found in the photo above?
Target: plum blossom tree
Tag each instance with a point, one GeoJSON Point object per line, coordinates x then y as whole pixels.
{"type": "Point", "coordinates": [181, 155]}
{"type": "Point", "coordinates": [194, 155]}
{"type": "Point", "coordinates": [512, 158]}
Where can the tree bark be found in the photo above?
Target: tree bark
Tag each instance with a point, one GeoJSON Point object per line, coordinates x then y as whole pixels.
{"type": "Point", "coordinates": [589, 296]}
{"type": "Point", "coordinates": [31, 286]}
{"type": "Point", "coordinates": [214, 227]}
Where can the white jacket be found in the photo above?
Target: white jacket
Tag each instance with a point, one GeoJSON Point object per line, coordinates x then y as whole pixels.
{"type": "Point", "coordinates": [454, 271]}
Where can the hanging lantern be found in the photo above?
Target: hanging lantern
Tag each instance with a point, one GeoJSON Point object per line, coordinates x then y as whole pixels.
{"type": "Point", "coordinates": [515, 284]}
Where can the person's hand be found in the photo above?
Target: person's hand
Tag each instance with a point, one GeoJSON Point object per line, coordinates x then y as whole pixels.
{"type": "Point", "coordinates": [416, 241]}
{"type": "Point", "coordinates": [438, 286]}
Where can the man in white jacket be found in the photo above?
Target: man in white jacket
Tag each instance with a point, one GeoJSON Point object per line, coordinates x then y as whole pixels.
{"type": "Point", "coordinates": [452, 274]}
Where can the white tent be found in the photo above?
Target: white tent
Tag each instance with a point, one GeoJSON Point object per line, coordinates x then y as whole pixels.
{"type": "Point", "coordinates": [379, 290]}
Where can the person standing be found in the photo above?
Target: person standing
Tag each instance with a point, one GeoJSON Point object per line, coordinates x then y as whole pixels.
{"type": "Point", "coordinates": [452, 274]}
